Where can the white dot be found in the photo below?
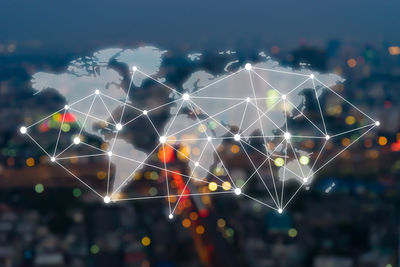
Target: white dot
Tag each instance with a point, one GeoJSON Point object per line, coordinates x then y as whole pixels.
{"type": "Point", "coordinates": [118, 126]}
{"type": "Point", "coordinates": [377, 123]}
{"type": "Point", "coordinates": [145, 112]}
{"type": "Point", "coordinates": [238, 191]}
{"type": "Point", "coordinates": [23, 130]}
{"type": "Point", "coordinates": [305, 180]}
{"type": "Point", "coordinates": [312, 76]}
{"type": "Point", "coordinates": [283, 96]}
{"type": "Point", "coordinates": [247, 66]}
{"type": "Point", "coordinates": [209, 138]}
{"type": "Point", "coordinates": [287, 136]}
{"type": "Point", "coordinates": [53, 159]}
{"type": "Point", "coordinates": [280, 210]}
{"type": "Point", "coordinates": [327, 137]}
{"type": "Point", "coordinates": [107, 199]}
{"type": "Point", "coordinates": [163, 139]}
{"type": "Point", "coordinates": [236, 137]}
{"type": "Point", "coordinates": [77, 140]}
{"type": "Point", "coordinates": [170, 216]}
{"type": "Point", "coordinates": [248, 99]}
{"type": "Point", "coordinates": [196, 164]}
{"type": "Point", "coordinates": [185, 96]}
{"type": "Point", "coordinates": [109, 153]}
{"type": "Point", "coordinates": [66, 107]}
{"type": "Point", "coordinates": [134, 68]}
{"type": "Point", "coordinates": [97, 92]}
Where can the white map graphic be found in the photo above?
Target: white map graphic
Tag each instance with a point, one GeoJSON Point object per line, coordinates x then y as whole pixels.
{"type": "Point", "coordinates": [247, 127]}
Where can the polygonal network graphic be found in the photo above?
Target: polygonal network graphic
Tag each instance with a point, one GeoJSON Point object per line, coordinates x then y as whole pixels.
{"type": "Point", "coordinates": [257, 133]}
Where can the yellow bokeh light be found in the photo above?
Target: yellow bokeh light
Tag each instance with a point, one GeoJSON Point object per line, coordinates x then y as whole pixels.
{"type": "Point", "coordinates": [346, 141]}
{"type": "Point", "coordinates": [226, 185]}
{"type": "Point", "coordinates": [30, 162]}
{"type": "Point", "coordinates": [279, 162]}
{"type": "Point", "coordinates": [350, 120]}
{"type": "Point", "coordinates": [101, 175]}
{"type": "Point", "coordinates": [184, 153]}
{"type": "Point", "coordinates": [235, 149]}
{"type": "Point", "coordinates": [146, 241]}
{"type": "Point", "coordinates": [200, 229]}
{"type": "Point", "coordinates": [221, 223]}
{"type": "Point", "coordinates": [382, 140]}
{"type": "Point", "coordinates": [351, 62]}
{"type": "Point", "coordinates": [304, 160]}
{"type": "Point", "coordinates": [292, 232]}
{"type": "Point", "coordinates": [212, 186]}
{"type": "Point", "coordinates": [186, 223]}
{"type": "Point", "coordinates": [193, 216]}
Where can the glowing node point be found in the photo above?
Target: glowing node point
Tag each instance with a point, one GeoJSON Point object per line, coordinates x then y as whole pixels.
{"type": "Point", "coordinates": [134, 68]}
{"type": "Point", "coordinates": [312, 76]}
{"type": "Point", "coordinates": [66, 107]}
{"type": "Point", "coordinates": [238, 191]}
{"type": "Point", "coordinates": [305, 180]}
{"type": "Point", "coordinates": [377, 123]}
{"type": "Point", "coordinates": [196, 164]}
{"type": "Point", "coordinates": [77, 140]}
{"type": "Point", "coordinates": [118, 126]}
{"type": "Point", "coordinates": [209, 138]}
{"type": "Point", "coordinates": [280, 210]}
{"type": "Point", "coordinates": [247, 66]}
{"type": "Point", "coordinates": [185, 96]}
{"type": "Point", "coordinates": [287, 136]}
{"type": "Point", "coordinates": [283, 96]}
{"type": "Point", "coordinates": [53, 159]}
{"type": "Point", "coordinates": [97, 92]}
{"type": "Point", "coordinates": [145, 112]}
{"type": "Point", "coordinates": [171, 216]}
{"type": "Point", "coordinates": [327, 137]}
{"type": "Point", "coordinates": [109, 153]}
{"type": "Point", "coordinates": [248, 99]}
{"type": "Point", "coordinates": [236, 137]}
{"type": "Point", "coordinates": [107, 199]}
{"type": "Point", "coordinates": [23, 130]}
{"type": "Point", "coordinates": [163, 139]}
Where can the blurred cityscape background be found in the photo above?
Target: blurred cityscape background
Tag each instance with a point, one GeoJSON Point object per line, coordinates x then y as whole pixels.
{"type": "Point", "coordinates": [349, 216]}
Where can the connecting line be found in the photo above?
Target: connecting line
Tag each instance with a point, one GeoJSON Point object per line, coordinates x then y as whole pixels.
{"type": "Point", "coordinates": [344, 99]}
{"type": "Point", "coordinates": [173, 119]}
{"type": "Point", "coordinates": [91, 116]}
{"type": "Point", "coordinates": [82, 156]}
{"type": "Point", "coordinates": [280, 71]}
{"type": "Point", "coordinates": [220, 80]}
{"type": "Point", "coordinates": [132, 120]}
{"type": "Point", "coordinates": [319, 106]}
{"type": "Point", "coordinates": [59, 133]}
{"type": "Point", "coordinates": [80, 180]}
{"type": "Point", "coordinates": [208, 117]}
{"type": "Point", "coordinates": [127, 97]}
{"type": "Point", "coordinates": [166, 104]}
{"type": "Point", "coordinates": [108, 175]}
{"type": "Point", "coordinates": [284, 174]}
{"type": "Point", "coordinates": [161, 169]}
{"type": "Point", "coordinates": [265, 81]}
{"type": "Point", "coordinates": [298, 86]}
{"type": "Point", "coordinates": [166, 179]}
{"type": "Point", "coordinates": [218, 98]}
{"type": "Point", "coordinates": [262, 203]}
{"type": "Point", "coordinates": [129, 176]}
{"type": "Point", "coordinates": [244, 113]}
{"type": "Point", "coordinates": [84, 122]}
{"type": "Point", "coordinates": [216, 152]}
{"type": "Point", "coordinates": [121, 102]}
{"type": "Point", "coordinates": [89, 145]}
{"type": "Point", "coordinates": [316, 159]}
{"type": "Point", "coordinates": [353, 130]}
{"type": "Point", "coordinates": [109, 113]}
{"type": "Point", "coordinates": [297, 160]}
{"type": "Point", "coordinates": [293, 195]}
{"type": "Point", "coordinates": [64, 150]}
{"type": "Point", "coordinates": [38, 144]}
{"type": "Point", "coordinates": [163, 84]}
{"type": "Point", "coordinates": [192, 173]}
{"type": "Point", "coordinates": [45, 118]}
{"type": "Point", "coordinates": [262, 181]}
{"type": "Point", "coordinates": [184, 195]}
{"type": "Point", "coordinates": [154, 127]}
{"type": "Point", "coordinates": [343, 149]}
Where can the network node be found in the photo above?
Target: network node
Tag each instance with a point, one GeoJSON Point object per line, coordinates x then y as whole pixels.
{"type": "Point", "coordinates": [305, 180]}
{"type": "Point", "coordinates": [283, 96]}
{"type": "Point", "coordinates": [118, 126]}
{"type": "Point", "coordinates": [247, 66]}
{"type": "Point", "coordinates": [196, 164]}
{"type": "Point", "coordinates": [23, 130]}
{"type": "Point", "coordinates": [53, 159]}
{"type": "Point", "coordinates": [312, 76]}
{"type": "Point", "coordinates": [97, 92]}
{"type": "Point", "coordinates": [66, 107]}
{"type": "Point", "coordinates": [107, 199]}
{"type": "Point", "coordinates": [287, 136]}
{"type": "Point", "coordinates": [163, 139]}
{"type": "Point", "coordinates": [185, 96]}
{"type": "Point", "coordinates": [280, 210]}
{"type": "Point", "coordinates": [236, 137]}
{"type": "Point", "coordinates": [377, 123]}
{"type": "Point", "coordinates": [327, 137]}
{"type": "Point", "coordinates": [145, 112]}
{"type": "Point", "coordinates": [170, 216]}
{"type": "Point", "coordinates": [134, 68]}
{"type": "Point", "coordinates": [209, 138]}
{"type": "Point", "coordinates": [238, 191]}
{"type": "Point", "coordinates": [248, 99]}
{"type": "Point", "coordinates": [109, 153]}
{"type": "Point", "coordinates": [77, 140]}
